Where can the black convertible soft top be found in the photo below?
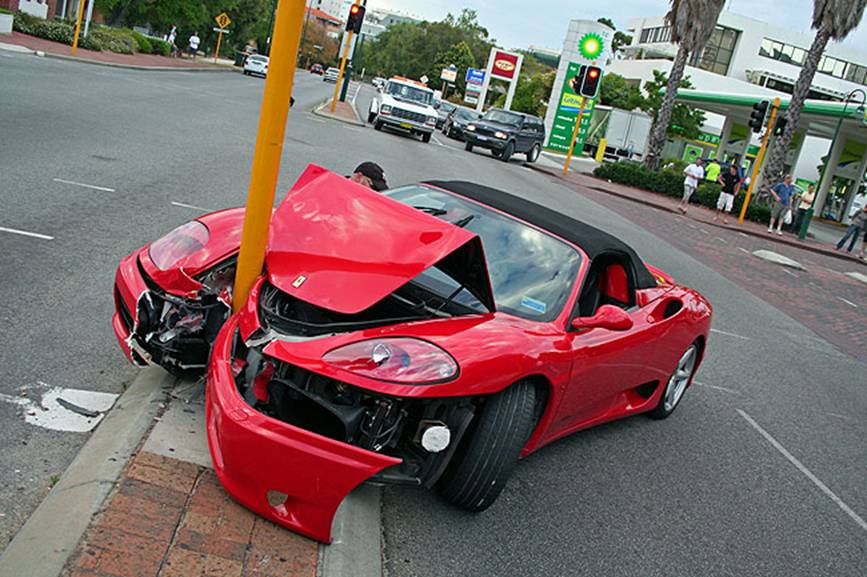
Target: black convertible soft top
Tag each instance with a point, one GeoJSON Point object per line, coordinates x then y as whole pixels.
{"type": "Point", "coordinates": [592, 240]}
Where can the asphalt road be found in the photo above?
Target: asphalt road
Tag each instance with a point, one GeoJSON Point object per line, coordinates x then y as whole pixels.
{"type": "Point", "coordinates": [760, 472]}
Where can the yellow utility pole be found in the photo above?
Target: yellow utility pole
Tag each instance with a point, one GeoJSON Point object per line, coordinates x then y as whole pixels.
{"type": "Point", "coordinates": [342, 65]}
{"type": "Point", "coordinates": [759, 158]}
{"type": "Point", "coordinates": [219, 40]}
{"type": "Point", "coordinates": [78, 27]}
{"type": "Point", "coordinates": [574, 135]}
{"type": "Point", "coordinates": [269, 146]}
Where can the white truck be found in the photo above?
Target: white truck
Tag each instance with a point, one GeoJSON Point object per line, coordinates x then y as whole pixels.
{"type": "Point", "coordinates": [626, 132]}
{"type": "Point", "coordinates": [404, 104]}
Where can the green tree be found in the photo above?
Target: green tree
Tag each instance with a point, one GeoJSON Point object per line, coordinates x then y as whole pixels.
{"type": "Point", "coordinates": [459, 55]}
{"type": "Point", "coordinates": [685, 122]}
{"type": "Point", "coordinates": [692, 22]}
{"type": "Point", "coordinates": [620, 39]}
{"type": "Point", "coordinates": [532, 93]}
{"type": "Point", "coordinates": [616, 91]}
{"type": "Point", "coordinates": [832, 20]}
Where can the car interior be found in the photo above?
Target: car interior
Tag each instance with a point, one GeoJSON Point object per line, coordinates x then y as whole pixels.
{"type": "Point", "coordinates": [608, 282]}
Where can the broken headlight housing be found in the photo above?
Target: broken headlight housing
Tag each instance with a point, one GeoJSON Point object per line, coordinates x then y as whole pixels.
{"type": "Point", "coordinates": [180, 243]}
{"type": "Point", "coordinates": [397, 360]}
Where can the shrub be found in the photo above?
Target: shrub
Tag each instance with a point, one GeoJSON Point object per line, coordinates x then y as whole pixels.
{"type": "Point", "coordinates": [4, 11]}
{"type": "Point", "coordinates": [143, 43]}
{"type": "Point", "coordinates": [114, 39]}
{"type": "Point", "coordinates": [670, 183]}
{"type": "Point", "coordinates": [160, 47]}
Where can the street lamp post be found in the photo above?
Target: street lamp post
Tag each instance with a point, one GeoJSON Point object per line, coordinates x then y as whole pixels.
{"type": "Point", "coordinates": [802, 234]}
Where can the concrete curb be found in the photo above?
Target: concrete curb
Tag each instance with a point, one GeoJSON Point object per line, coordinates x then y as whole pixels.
{"type": "Point", "coordinates": [317, 110]}
{"type": "Point", "coordinates": [757, 234]}
{"type": "Point", "coordinates": [356, 548]}
{"type": "Point", "coordinates": [43, 545]}
{"type": "Point", "coordinates": [16, 48]}
{"type": "Point", "coordinates": [137, 67]}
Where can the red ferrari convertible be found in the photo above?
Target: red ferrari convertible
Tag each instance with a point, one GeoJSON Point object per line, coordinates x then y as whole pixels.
{"type": "Point", "coordinates": [432, 334]}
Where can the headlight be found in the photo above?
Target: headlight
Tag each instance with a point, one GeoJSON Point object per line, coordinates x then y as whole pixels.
{"type": "Point", "coordinates": [471, 127]}
{"type": "Point", "coordinates": [499, 134]}
{"type": "Point", "coordinates": [385, 109]}
{"type": "Point", "coordinates": [178, 244]}
{"type": "Point", "coordinates": [398, 360]}
{"type": "Point", "coordinates": [432, 120]}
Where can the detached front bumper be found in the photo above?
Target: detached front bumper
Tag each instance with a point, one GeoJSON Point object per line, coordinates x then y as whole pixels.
{"type": "Point", "coordinates": [291, 476]}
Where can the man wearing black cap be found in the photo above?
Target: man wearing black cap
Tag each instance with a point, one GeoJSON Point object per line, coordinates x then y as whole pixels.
{"type": "Point", "coordinates": [369, 174]}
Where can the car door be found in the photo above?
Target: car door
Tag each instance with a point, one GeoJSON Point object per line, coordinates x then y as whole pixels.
{"type": "Point", "coordinates": [525, 135]}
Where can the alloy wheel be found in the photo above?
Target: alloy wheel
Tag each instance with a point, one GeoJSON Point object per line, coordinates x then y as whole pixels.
{"type": "Point", "coordinates": [680, 379]}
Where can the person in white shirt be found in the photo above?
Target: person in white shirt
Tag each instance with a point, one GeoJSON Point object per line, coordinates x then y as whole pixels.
{"type": "Point", "coordinates": [194, 44]}
{"type": "Point", "coordinates": [694, 174]}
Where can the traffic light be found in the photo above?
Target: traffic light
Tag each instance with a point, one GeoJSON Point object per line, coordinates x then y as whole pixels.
{"type": "Point", "coordinates": [780, 125]}
{"type": "Point", "coordinates": [356, 17]}
{"type": "Point", "coordinates": [578, 81]}
{"type": "Point", "coordinates": [757, 118]}
{"type": "Point", "coordinates": [592, 78]}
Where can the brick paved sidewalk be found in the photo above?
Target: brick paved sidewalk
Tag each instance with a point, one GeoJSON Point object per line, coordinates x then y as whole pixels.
{"type": "Point", "coordinates": [138, 60]}
{"type": "Point", "coordinates": [171, 518]}
{"type": "Point", "coordinates": [696, 212]}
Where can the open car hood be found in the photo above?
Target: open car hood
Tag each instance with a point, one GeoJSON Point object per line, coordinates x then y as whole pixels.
{"type": "Point", "coordinates": [343, 247]}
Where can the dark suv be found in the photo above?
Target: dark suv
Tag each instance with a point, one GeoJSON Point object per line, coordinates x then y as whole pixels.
{"type": "Point", "coordinates": [506, 133]}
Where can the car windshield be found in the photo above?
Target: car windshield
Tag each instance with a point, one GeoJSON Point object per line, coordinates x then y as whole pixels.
{"type": "Point", "coordinates": [532, 272]}
{"type": "Point", "coordinates": [446, 106]}
{"type": "Point", "coordinates": [465, 114]}
{"type": "Point", "coordinates": [409, 93]}
{"type": "Point", "coordinates": [503, 117]}
{"type": "Point", "coordinates": [255, 58]}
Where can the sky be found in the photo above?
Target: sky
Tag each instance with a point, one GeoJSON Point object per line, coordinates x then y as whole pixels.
{"type": "Point", "coordinates": [518, 23]}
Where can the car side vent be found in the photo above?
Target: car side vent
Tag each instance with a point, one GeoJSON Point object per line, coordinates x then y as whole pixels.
{"type": "Point", "coordinates": [672, 308]}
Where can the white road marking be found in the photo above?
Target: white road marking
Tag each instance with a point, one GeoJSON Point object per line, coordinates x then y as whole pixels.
{"type": "Point", "coordinates": [850, 303]}
{"type": "Point", "coordinates": [744, 235]}
{"type": "Point", "coordinates": [193, 206]}
{"type": "Point", "coordinates": [25, 233]}
{"type": "Point", "coordinates": [839, 416]}
{"type": "Point", "coordinates": [436, 140]}
{"type": "Point", "coordinates": [691, 226]}
{"type": "Point", "coordinates": [791, 273]}
{"type": "Point", "coordinates": [56, 407]}
{"type": "Point", "coordinates": [94, 187]}
{"type": "Point", "coordinates": [807, 473]}
{"type": "Point", "coordinates": [718, 388]}
{"type": "Point", "coordinates": [722, 240]}
{"type": "Point", "coordinates": [719, 332]}
{"type": "Point", "coordinates": [703, 231]}
{"type": "Point", "coordinates": [744, 250]}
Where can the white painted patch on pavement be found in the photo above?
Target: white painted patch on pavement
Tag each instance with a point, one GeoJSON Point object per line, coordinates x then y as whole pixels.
{"type": "Point", "coordinates": [436, 140]}
{"type": "Point", "coordinates": [744, 250]}
{"type": "Point", "coordinates": [193, 206]}
{"type": "Point", "coordinates": [719, 332]}
{"type": "Point", "coordinates": [26, 233]}
{"type": "Point", "coordinates": [807, 473]}
{"type": "Point", "coordinates": [59, 409]}
{"type": "Point", "coordinates": [717, 388]}
{"type": "Point", "coordinates": [857, 276]}
{"type": "Point", "coordinates": [850, 303]}
{"type": "Point", "coordinates": [92, 186]}
{"type": "Point", "coordinates": [788, 272]}
{"type": "Point", "coordinates": [779, 259]}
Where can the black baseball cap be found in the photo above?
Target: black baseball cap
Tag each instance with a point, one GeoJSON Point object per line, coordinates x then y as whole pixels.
{"type": "Point", "coordinates": [374, 172]}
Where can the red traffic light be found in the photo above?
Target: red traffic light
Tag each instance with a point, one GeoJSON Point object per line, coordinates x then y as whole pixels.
{"type": "Point", "coordinates": [354, 9]}
{"type": "Point", "coordinates": [593, 73]}
{"type": "Point", "coordinates": [355, 19]}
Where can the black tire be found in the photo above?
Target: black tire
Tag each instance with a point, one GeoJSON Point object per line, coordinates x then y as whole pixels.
{"type": "Point", "coordinates": [377, 125]}
{"type": "Point", "coordinates": [371, 116]}
{"type": "Point", "coordinates": [489, 451]}
{"type": "Point", "coordinates": [468, 147]}
{"type": "Point", "coordinates": [507, 152]}
{"type": "Point", "coordinates": [425, 136]}
{"type": "Point", "coordinates": [246, 73]}
{"type": "Point", "coordinates": [666, 407]}
{"type": "Point", "coordinates": [533, 153]}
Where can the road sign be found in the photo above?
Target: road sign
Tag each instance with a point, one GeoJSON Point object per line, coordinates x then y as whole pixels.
{"type": "Point", "coordinates": [475, 76]}
{"type": "Point", "coordinates": [449, 74]}
{"type": "Point", "coordinates": [424, 79]}
{"type": "Point", "coordinates": [223, 20]}
{"type": "Point", "coordinates": [221, 31]}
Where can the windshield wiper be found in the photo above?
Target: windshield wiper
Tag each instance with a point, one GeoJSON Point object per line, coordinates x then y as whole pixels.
{"type": "Point", "coordinates": [464, 221]}
{"type": "Point", "coordinates": [432, 210]}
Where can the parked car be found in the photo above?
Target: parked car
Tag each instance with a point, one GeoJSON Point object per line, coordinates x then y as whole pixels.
{"type": "Point", "coordinates": [443, 108]}
{"type": "Point", "coordinates": [457, 122]}
{"type": "Point", "coordinates": [316, 68]}
{"type": "Point", "coordinates": [378, 82]}
{"type": "Point", "coordinates": [448, 330]}
{"type": "Point", "coordinates": [331, 75]}
{"type": "Point", "coordinates": [505, 133]}
{"type": "Point", "coordinates": [405, 104]}
{"type": "Point", "coordinates": [256, 64]}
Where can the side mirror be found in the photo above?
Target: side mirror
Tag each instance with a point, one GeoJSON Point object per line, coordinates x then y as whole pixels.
{"type": "Point", "coordinates": [607, 317]}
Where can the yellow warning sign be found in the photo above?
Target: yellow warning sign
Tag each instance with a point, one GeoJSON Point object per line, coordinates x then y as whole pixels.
{"type": "Point", "coordinates": [223, 20]}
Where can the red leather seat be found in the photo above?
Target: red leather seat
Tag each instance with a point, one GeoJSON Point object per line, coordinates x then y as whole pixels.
{"type": "Point", "coordinates": [615, 284]}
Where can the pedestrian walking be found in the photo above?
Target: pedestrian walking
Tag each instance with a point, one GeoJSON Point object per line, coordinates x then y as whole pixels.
{"type": "Point", "coordinates": [713, 171]}
{"type": "Point", "coordinates": [694, 174]}
{"type": "Point", "coordinates": [193, 47]}
{"type": "Point", "coordinates": [783, 194]}
{"type": "Point", "coordinates": [856, 226]}
{"type": "Point", "coordinates": [172, 35]}
{"type": "Point", "coordinates": [803, 204]}
{"type": "Point", "coordinates": [730, 186]}
{"type": "Point", "coordinates": [371, 175]}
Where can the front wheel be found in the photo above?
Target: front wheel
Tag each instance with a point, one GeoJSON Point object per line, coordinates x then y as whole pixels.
{"type": "Point", "coordinates": [489, 452]}
{"type": "Point", "coordinates": [677, 384]}
{"type": "Point", "coordinates": [425, 137]}
{"type": "Point", "coordinates": [533, 153]}
{"type": "Point", "coordinates": [377, 125]}
{"type": "Point", "coordinates": [507, 152]}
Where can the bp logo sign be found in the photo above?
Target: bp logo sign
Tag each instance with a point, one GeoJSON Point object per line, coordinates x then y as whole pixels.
{"type": "Point", "coordinates": [591, 46]}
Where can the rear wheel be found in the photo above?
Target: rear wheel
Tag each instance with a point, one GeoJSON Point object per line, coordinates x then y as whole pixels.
{"type": "Point", "coordinates": [489, 452]}
{"type": "Point", "coordinates": [425, 137]}
{"type": "Point", "coordinates": [468, 147]}
{"type": "Point", "coordinates": [677, 384]}
{"type": "Point", "coordinates": [377, 125]}
{"type": "Point", "coordinates": [507, 152]}
{"type": "Point", "coordinates": [533, 153]}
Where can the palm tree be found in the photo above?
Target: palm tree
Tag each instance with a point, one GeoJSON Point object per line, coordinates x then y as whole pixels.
{"type": "Point", "coordinates": [832, 20]}
{"type": "Point", "coordinates": [692, 22]}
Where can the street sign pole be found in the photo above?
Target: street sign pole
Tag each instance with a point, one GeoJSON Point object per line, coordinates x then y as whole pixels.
{"type": "Point", "coordinates": [269, 146]}
{"type": "Point", "coordinates": [219, 40]}
{"type": "Point", "coordinates": [342, 65]}
{"type": "Point", "coordinates": [761, 156]}
{"type": "Point", "coordinates": [574, 135]}
{"type": "Point", "coordinates": [77, 27]}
